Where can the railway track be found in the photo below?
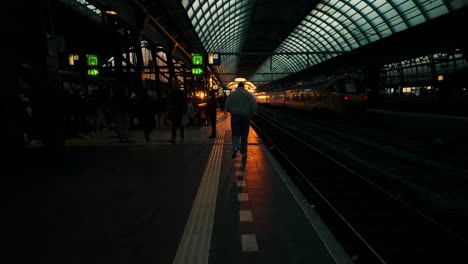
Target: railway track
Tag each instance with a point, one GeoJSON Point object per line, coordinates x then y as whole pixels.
{"type": "Point", "coordinates": [378, 199]}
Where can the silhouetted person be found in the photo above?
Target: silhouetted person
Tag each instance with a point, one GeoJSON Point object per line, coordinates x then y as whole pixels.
{"type": "Point", "coordinates": [211, 108]}
{"type": "Point", "coordinates": [90, 110]}
{"type": "Point", "coordinates": [121, 111]}
{"type": "Point", "coordinates": [222, 101]}
{"type": "Point", "coordinates": [242, 105]}
{"type": "Point", "coordinates": [178, 108]}
{"type": "Point", "coordinates": [190, 112]}
{"type": "Point", "coordinates": [148, 120]}
{"type": "Point", "coordinates": [159, 107]}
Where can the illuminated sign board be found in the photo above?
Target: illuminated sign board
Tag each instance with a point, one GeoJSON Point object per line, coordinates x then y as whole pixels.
{"type": "Point", "coordinates": [91, 60]}
{"type": "Point", "coordinates": [197, 71]}
{"type": "Point", "coordinates": [214, 58]}
{"type": "Point", "coordinates": [197, 59]}
{"type": "Point", "coordinates": [73, 59]}
{"type": "Point", "coordinates": [93, 72]}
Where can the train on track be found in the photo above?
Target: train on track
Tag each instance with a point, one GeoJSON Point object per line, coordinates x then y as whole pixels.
{"type": "Point", "coordinates": [342, 94]}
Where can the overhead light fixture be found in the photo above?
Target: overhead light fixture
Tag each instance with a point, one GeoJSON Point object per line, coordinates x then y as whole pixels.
{"type": "Point", "coordinates": [109, 10]}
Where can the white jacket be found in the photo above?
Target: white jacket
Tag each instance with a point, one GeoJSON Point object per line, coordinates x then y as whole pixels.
{"type": "Point", "coordinates": [241, 102]}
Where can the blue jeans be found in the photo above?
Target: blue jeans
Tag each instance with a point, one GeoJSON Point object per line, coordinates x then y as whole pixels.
{"type": "Point", "coordinates": [240, 125]}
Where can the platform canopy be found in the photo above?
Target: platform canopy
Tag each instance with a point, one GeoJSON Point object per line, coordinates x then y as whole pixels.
{"type": "Point", "coordinates": [265, 40]}
{"type": "Point", "coordinates": [268, 40]}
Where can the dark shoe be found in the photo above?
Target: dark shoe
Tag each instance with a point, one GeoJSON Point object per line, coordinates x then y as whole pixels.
{"type": "Point", "coordinates": [181, 140]}
{"type": "Point", "coordinates": [172, 141]}
{"type": "Point", "coordinates": [234, 153]}
{"type": "Point", "coordinates": [212, 136]}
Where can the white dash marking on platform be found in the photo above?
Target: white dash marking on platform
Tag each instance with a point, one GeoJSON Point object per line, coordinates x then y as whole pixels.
{"type": "Point", "coordinates": [249, 242]}
{"type": "Point", "coordinates": [245, 216]}
{"type": "Point", "coordinates": [240, 183]}
{"type": "Point", "coordinates": [242, 197]}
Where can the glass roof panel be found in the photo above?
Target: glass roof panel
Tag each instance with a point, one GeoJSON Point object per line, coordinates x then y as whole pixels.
{"type": "Point", "coordinates": [205, 8]}
{"type": "Point", "coordinates": [190, 12]}
{"type": "Point", "coordinates": [434, 8]}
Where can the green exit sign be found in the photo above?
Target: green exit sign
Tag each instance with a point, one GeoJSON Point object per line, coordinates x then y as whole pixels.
{"type": "Point", "coordinates": [93, 72]}
{"type": "Point", "coordinates": [197, 71]}
{"type": "Point", "coordinates": [197, 59]}
{"type": "Point", "coordinates": [92, 60]}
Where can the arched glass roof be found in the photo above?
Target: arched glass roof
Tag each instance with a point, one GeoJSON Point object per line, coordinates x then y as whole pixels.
{"type": "Point", "coordinates": [331, 28]}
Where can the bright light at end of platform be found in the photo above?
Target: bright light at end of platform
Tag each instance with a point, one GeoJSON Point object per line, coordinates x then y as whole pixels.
{"type": "Point", "coordinates": [201, 94]}
{"type": "Point", "coordinates": [239, 79]}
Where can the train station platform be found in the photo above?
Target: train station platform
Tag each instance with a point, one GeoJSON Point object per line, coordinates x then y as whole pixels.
{"type": "Point", "coordinates": [158, 202]}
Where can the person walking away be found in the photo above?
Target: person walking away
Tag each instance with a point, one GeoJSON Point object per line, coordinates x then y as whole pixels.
{"type": "Point", "coordinates": [91, 107]}
{"type": "Point", "coordinates": [147, 114]}
{"type": "Point", "coordinates": [241, 104]}
{"type": "Point", "coordinates": [101, 122]}
{"type": "Point", "coordinates": [222, 101]}
{"type": "Point", "coordinates": [190, 112]}
{"type": "Point", "coordinates": [178, 109]}
{"type": "Point", "coordinates": [211, 108]}
{"type": "Point", "coordinates": [121, 110]}
{"type": "Point", "coordinates": [159, 108]}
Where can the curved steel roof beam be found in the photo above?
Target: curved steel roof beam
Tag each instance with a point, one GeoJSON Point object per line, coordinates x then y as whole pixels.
{"type": "Point", "coordinates": [339, 32]}
{"type": "Point", "coordinates": [303, 31]}
{"type": "Point", "coordinates": [305, 61]}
